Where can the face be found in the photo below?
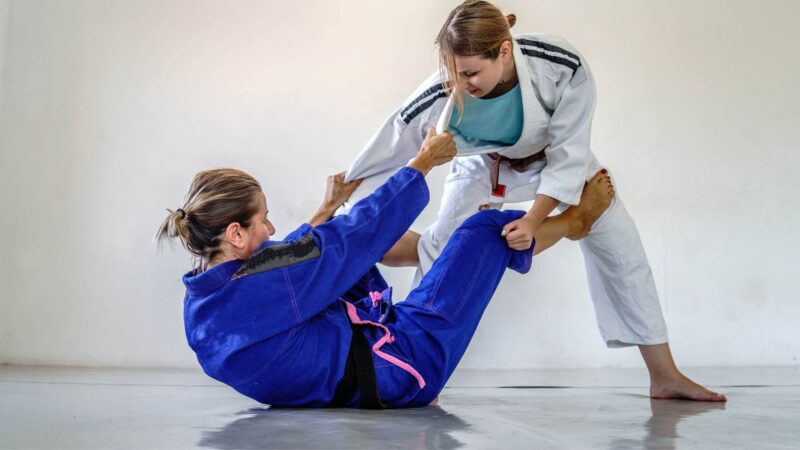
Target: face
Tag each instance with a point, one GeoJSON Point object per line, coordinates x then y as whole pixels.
{"type": "Point", "coordinates": [478, 76]}
{"type": "Point", "coordinates": [260, 228]}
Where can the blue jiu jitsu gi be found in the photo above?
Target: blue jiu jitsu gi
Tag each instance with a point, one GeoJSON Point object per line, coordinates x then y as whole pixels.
{"type": "Point", "coordinates": [277, 327]}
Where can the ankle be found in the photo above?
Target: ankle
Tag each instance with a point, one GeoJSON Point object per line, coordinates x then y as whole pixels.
{"type": "Point", "coordinates": [664, 375]}
{"type": "Point", "coordinates": [575, 223]}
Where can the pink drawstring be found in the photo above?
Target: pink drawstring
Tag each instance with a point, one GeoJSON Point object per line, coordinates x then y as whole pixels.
{"type": "Point", "coordinates": [376, 298]}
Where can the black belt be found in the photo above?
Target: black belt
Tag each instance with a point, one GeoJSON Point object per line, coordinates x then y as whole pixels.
{"type": "Point", "coordinates": [359, 375]}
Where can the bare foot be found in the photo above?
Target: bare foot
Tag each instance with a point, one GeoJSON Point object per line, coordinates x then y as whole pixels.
{"type": "Point", "coordinates": [595, 198]}
{"type": "Point", "coordinates": [679, 386]}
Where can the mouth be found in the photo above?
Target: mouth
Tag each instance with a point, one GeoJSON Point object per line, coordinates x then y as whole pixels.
{"type": "Point", "coordinates": [472, 91]}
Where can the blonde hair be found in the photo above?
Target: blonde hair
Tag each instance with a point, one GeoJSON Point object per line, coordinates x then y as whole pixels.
{"type": "Point", "coordinates": [472, 28]}
{"type": "Point", "coordinates": [216, 198]}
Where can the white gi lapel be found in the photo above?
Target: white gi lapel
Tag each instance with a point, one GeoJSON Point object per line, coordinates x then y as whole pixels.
{"type": "Point", "coordinates": [536, 119]}
{"type": "Point", "coordinates": [444, 119]}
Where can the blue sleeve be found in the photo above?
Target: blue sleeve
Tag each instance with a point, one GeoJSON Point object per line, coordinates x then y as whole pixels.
{"type": "Point", "coordinates": [301, 231]}
{"type": "Point", "coordinates": [351, 244]}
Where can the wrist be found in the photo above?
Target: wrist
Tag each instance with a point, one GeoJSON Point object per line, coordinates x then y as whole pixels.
{"type": "Point", "coordinates": [533, 220]}
{"type": "Point", "coordinates": [421, 163]}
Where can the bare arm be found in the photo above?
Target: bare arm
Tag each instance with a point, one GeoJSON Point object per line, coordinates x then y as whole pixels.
{"type": "Point", "coordinates": [336, 193]}
{"type": "Point", "coordinates": [542, 207]}
{"type": "Point", "coordinates": [520, 232]}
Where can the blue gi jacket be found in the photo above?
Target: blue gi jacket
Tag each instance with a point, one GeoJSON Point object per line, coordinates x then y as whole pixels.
{"type": "Point", "coordinates": [274, 327]}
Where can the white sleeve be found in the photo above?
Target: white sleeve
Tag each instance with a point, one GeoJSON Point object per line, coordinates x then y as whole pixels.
{"type": "Point", "coordinates": [570, 128]}
{"type": "Point", "coordinates": [389, 148]}
{"type": "Point", "coordinates": [400, 137]}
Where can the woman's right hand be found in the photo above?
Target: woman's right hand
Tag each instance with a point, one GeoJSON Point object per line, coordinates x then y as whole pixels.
{"type": "Point", "coordinates": [436, 150]}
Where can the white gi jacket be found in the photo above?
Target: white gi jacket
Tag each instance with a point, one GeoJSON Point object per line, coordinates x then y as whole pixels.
{"type": "Point", "coordinates": [558, 98]}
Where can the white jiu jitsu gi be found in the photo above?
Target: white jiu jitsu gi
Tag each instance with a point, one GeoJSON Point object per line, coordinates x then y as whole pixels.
{"type": "Point", "coordinates": [558, 96]}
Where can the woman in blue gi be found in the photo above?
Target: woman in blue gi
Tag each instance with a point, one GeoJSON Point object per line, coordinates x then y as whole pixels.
{"type": "Point", "coordinates": [520, 108]}
{"type": "Point", "coordinates": [309, 321]}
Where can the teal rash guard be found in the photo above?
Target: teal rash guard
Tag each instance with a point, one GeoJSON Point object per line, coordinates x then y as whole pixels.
{"type": "Point", "coordinates": [490, 121]}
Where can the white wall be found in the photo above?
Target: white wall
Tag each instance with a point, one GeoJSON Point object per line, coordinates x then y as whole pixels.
{"type": "Point", "coordinates": [4, 10]}
{"type": "Point", "coordinates": [110, 107]}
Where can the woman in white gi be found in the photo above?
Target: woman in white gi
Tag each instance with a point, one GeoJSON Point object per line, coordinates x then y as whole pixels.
{"type": "Point", "coordinates": [522, 132]}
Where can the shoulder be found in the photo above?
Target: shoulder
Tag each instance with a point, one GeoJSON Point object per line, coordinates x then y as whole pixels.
{"type": "Point", "coordinates": [544, 48]}
{"type": "Point", "coordinates": [273, 256]}
{"type": "Point", "coordinates": [426, 94]}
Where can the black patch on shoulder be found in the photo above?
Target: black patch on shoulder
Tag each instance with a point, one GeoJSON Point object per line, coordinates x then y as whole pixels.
{"type": "Point", "coordinates": [422, 102]}
{"type": "Point", "coordinates": [281, 255]}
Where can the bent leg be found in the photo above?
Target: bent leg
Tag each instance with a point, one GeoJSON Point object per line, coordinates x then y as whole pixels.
{"type": "Point", "coordinates": [439, 317]}
{"type": "Point", "coordinates": [576, 221]}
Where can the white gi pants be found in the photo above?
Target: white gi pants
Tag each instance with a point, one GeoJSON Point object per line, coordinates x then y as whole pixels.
{"type": "Point", "coordinates": [620, 280]}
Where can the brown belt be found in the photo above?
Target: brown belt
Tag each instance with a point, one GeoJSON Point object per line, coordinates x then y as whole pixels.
{"type": "Point", "coordinates": [517, 164]}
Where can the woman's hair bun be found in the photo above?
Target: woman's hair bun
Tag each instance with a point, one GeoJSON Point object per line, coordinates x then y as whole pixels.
{"type": "Point", "coordinates": [512, 19]}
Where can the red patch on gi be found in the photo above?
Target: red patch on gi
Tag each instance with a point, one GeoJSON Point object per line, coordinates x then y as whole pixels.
{"type": "Point", "coordinates": [499, 191]}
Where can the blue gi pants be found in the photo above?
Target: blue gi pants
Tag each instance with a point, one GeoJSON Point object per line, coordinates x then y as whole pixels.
{"type": "Point", "coordinates": [435, 324]}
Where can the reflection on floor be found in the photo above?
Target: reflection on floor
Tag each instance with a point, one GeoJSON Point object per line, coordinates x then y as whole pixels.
{"type": "Point", "coordinates": [591, 409]}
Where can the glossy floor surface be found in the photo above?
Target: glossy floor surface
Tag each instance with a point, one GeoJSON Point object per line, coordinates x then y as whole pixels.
{"type": "Point", "coordinates": [586, 409]}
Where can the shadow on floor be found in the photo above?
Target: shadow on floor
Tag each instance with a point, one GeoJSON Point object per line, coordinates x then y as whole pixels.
{"type": "Point", "coordinates": [428, 427]}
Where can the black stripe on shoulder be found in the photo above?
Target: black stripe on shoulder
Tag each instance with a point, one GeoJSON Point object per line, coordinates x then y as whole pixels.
{"type": "Point", "coordinates": [555, 59]}
{"type": "Point", "coordinates": [550, 48]}
{"type": "Point", "coordinates": [539, 51]}
{"type": "Point", "coordinates": [422, 102]}
{"type": "Point", "coordinates": [281, 255]}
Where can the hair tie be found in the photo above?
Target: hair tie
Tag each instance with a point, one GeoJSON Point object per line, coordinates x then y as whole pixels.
{"type": "Point", "coordinates": [183, 213]}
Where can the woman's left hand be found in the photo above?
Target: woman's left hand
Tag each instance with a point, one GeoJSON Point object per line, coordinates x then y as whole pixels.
{"type": "Point", "coordinates": [337, 191]}
{"type": "Point", "coordinates": [519, 233]}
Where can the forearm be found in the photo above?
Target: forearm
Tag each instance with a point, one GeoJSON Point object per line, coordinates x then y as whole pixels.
{"type": "Point", "coordinates": [542, 207]}
{"type": "Point", "coordinates": [323, 214]}
{"type": "Point", "coordinates": [404, 252]}
{"type": "Point", "coordinates": [423, 163]}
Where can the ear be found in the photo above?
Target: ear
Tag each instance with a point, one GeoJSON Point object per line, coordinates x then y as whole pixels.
{"type": "Point", "coordinates": [235, 234]}
{"type": "Point", "coordinates": [506, 50]}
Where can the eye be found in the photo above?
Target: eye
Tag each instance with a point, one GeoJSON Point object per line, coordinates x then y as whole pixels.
{"type": "Point", "coordinates": [470, 74]}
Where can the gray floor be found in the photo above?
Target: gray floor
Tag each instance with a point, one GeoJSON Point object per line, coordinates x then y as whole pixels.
{"type": "Point", "coordinates": [591, 409]}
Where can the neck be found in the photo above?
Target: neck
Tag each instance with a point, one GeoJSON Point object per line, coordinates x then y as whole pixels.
{"type": "Point", "coordinates": [509, 80]}
{"type": "Point", "coordinates": [222, 257]}
{"type": "Point", "coordinates": [510, 72]}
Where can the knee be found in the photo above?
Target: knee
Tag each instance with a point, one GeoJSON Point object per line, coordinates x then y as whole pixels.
{"type": "Point", "coordinates": [488, 218]}
{"type": "Point", "coordinates": [491, 219]}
